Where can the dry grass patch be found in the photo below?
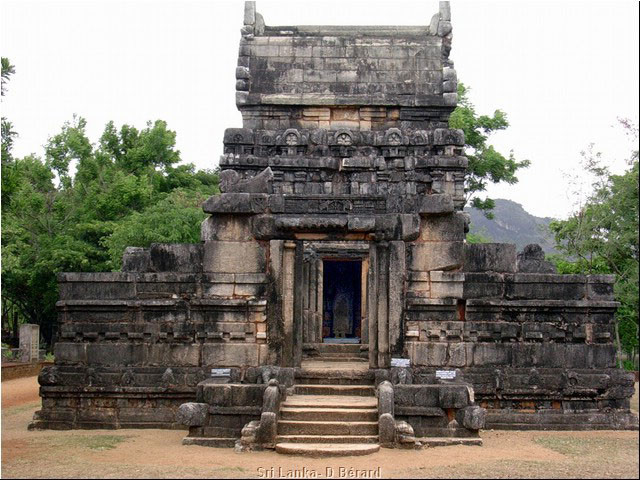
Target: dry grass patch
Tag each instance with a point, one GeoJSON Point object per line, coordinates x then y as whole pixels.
{"type": "Point", "coordinates": [90, 442]}
{"type": "Point", "coordinates": [581, 447]}
{"type": "Point", "coordinates": [634, 400]}
{"type": "Point", "coordinates": [9, 412]}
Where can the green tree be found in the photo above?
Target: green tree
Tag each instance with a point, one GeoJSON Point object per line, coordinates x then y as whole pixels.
{"type": "Point", "coordinates": [10, 312]}
{"type": "Point", "coordinates": [176, 218]}
{"type": "Point", "coordinates": [602, 235]}
{"type": "Point", "coordinates": [8, 135]}
{"type": "Point", "coordinates": [7, 71]}
{"type": "Point", "coordinates": [486, 164]}
{"type": "Point", "coordinates": [478, 237]}
{"type": "Point", "coordinates": [81, 205]}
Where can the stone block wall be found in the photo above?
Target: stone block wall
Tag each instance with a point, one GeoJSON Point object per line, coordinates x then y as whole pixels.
{"type": "Point", "coordinates": [133, 345]}
{"type": "Point", "coordinates": [534, 346]}
{"type": "Point", "coordinates": [431, 409]}
{"type": "Point", "coordinates": [335, 66]}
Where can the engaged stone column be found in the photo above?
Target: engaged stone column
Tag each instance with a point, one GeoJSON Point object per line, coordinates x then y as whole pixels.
{"type": "Point", "coordinates": [319, 299]}
{"type": "Point", "coordinates": [383, 306]}
{"type": "Point", "coordinates": [298, 293]}
{"type": "Point", "coordinates": [372, 306]}
{"type": "Point", "coordinates": [306, 311]}
{"type": "Point", "coordinates": [397, 272]}
{"type": "Point", "coordinates": [313, 306]}
{"type": "Point", "coordinates": [288, 263]}
{"type": "Point", "coordinates": [364, 317]}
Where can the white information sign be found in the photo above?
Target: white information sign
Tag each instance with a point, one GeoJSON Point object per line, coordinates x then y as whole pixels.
{"type": "Point", "coordinates": [446, 374]}
{"type": "Point", "coordinates": [400, 362]}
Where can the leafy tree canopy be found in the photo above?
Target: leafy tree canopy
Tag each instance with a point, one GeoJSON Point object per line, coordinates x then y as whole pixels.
{"type": "Point", "coordinates": [602, 235]}
{"type": "Point", "coordinates": [8, 134]}
{"type": "Point", "coordinates": [486, 164]}
{"type": "Point", "coordinates": [81, 205]}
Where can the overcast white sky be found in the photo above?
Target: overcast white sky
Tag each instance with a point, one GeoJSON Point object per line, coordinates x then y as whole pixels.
{"type": "Point", "coordinates": [562, 71]}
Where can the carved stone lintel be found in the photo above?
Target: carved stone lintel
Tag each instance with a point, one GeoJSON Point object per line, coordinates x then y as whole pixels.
{"type": "Point", "coordinates": [247, 203]}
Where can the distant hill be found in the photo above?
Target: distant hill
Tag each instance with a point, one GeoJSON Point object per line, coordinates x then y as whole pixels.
{"type": "Point", "coordinates": [512, 224]}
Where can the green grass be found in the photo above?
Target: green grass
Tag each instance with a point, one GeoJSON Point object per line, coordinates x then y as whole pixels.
{"type": "Point", "coordinates": [92, 442]}
{"type": "Point", "coordinates": [104, 442]}
{"type": "Point", "coordinates": [8, 412]}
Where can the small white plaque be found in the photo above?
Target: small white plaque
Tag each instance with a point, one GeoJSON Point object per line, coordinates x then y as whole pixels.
{"type": "Point", "coordinates": [220, 372]}
{"type": "Point", "coordinates": [400, 362]}
{"type": "Point", "coordinates": [446, 374]}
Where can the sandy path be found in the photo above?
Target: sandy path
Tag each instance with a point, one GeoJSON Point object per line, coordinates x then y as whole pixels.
{"type": "Point", "coordinates": [20, 391]}
{"type": "Point", "coordinates": [160, 454]}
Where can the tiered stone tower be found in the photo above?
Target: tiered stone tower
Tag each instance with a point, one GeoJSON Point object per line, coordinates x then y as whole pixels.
{"type": "Point", "coordinates": [334, 264]}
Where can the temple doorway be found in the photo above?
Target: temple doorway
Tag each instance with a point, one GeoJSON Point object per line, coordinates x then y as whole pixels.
{"type": "Point", "coordinates": [342, 301]}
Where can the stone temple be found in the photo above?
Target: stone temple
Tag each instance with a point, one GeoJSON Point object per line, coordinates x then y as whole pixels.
{"type": "Point", "coordinates": [333, 299]}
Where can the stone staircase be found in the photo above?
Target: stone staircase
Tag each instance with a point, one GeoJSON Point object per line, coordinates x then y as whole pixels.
{"type": "Point", "coordinates": [333, 409]}
{"type": "Point", "coordinates": [340, 352]}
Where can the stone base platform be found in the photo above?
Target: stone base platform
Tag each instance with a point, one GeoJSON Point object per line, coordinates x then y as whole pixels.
{"type": "Point", "coordinates": [426, 442]}
{"type": "Point", "coordinates": [561, 420]}
{"type": "Point", "coordinates": [210, 442]}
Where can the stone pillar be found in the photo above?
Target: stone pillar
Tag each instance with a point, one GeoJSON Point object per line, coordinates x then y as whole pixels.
{"type": "Point", "coordinates": [397, 272]}
{"type": "Point", "coordinates": [372, 306]}
{"type": "Point", "coordinates": [29, 342]}
{"type": "Point", "coordinates": [288, 262]}
{"type": "Point", "coordinates": [364, 318]}
{"type": "Point", "coordinates": [319, 299]}
{"type": "Point", "coordinates": [298, 299]}
{"type": "Point", "coordinates": [383, 306]}
{"type": "Point", "coordinates": [275, 304]}
{"type": "Point", "coordinates": [313, 305]}
{"type": "Point", "coordinates": [306, 310]}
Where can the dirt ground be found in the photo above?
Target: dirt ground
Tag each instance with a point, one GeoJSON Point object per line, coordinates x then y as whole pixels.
{"type": "Point", "coordinates": [159, 454]}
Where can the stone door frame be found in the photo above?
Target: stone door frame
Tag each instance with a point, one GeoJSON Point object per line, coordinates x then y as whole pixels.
{"type": "Point", "coordinates": [301, 291]}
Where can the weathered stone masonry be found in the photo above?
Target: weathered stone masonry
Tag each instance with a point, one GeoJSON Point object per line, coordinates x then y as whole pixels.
{"type": "Point", "coordinates": [345, 153]}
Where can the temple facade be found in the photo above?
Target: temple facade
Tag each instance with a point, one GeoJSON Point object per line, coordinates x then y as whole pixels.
{"type": "Point", "coordinates": [334, 264]}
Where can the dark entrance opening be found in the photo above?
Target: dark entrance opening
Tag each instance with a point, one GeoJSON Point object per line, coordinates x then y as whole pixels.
{"type": "Point", "coordinates": [342, 301]}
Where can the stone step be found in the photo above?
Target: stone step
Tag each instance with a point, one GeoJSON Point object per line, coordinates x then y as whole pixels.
{"type": "Point", "coordinates": [311, 389]}
{"type": "Point", "coordinates": [297, 427]}
{"type": "Point", "coordinates": [339, 357]}
{"type": "Point", "coordinates": [447, 441]}
{"type": "Point", "coordinates": [337, 347]}
{"type": "Point", "coordinates": [350, 439]}
{"type": "Point", "coordinates": [335, 373]}
{"type": "Point", "coordinates": [320, 364]}
{"type": "Point", "coordinates": [330, 401]}
{"type": "Point", "coordinates": [334, 380]}
{"type": "Point", "coordinates": [332, 414]}
{"type": "Point", "coordinates": [327, 449]}
{"type": "Point", "coordinates": [345, 353]}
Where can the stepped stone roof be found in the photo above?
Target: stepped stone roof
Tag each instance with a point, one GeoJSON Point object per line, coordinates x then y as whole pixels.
{"type": "Point", "coordinates": [346, 65]}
